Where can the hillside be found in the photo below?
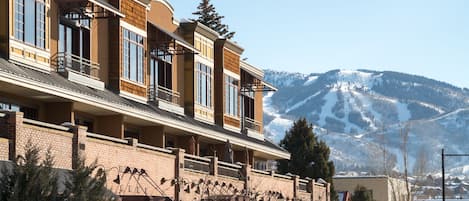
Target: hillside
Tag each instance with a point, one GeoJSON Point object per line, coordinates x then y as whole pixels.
{"type": "Point", "coordinates": [361, 115]}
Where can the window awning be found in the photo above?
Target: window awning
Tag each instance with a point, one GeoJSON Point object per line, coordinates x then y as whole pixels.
{"type": "Point", "coordinates": [90, 8]}
{"type": "Point", "coordinates": [169, 41]}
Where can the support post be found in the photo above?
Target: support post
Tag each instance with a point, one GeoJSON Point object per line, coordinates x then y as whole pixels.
{"type": "Point", "coordinates": [296, 186]}
{"type": "Point", "coordinates": [179, 173]}
{"type": "Point", "coordinates": [79, 144]}
{"type": "Point", "coordinates": [214, 166]}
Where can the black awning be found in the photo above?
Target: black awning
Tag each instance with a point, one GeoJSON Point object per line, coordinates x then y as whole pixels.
{"type": "Point", "coordinates": [171, 40]}
{"type": "Point", "coordinates": [90, 8]}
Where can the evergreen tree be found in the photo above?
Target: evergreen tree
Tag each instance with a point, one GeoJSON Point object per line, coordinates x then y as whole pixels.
{"type": "Point", "coordinates": [362, 194]}
{"type": "Point", "coordinates": [309, 156]}
{"type": "Point", "coordinates": [87, 183]}
{"type": "Point", "coordinates": [208, 16]}
{"type": "Point", "coordinates": [27, 180]}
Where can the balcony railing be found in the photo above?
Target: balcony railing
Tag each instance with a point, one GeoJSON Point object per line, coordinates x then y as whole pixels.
{"type": "Point", "coordinates": [80, 65]}
{"type": "Point", "coordinates": [163, 93]}
{"type": "Point", "coordinates": [229, 170]}
{"type": "Point", "coordinates": [253, 124]}
{"type": "Point", "coordinates": [196, 163]}
{"type": "Point", "coordinates": [303, 185]}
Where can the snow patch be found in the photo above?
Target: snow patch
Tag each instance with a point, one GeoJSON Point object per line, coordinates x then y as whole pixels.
{"type": "Point", "coordinates": [310, 80]}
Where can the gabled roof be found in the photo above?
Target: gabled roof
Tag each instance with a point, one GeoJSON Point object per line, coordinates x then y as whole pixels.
{"type": "Point", "coordinates": [57, 85]}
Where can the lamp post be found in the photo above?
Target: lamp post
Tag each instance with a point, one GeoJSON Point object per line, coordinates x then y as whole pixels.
{"type": "Point", "coordinates": [443, 155]}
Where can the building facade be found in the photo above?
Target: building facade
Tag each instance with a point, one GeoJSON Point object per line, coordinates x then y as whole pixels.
{"type": "Point", "coordinates": [383, 188]}
{"type": "Point", "coordinates": [167, 107]}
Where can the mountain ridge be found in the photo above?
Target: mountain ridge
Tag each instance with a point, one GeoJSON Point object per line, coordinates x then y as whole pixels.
{"type": "Point", "coordinates": [366, 109]}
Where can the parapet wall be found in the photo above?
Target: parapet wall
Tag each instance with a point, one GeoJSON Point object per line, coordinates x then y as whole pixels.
{"type": "Point", "coordinates": [139, 170]}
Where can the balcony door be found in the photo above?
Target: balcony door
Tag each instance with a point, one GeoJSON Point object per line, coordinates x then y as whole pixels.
{"type": "Point", "coordinates": [249, 106]}
{"type": "Point", "coordinates": [161, 70]}
{"type": "Point", "coordinates": [161, 77]}
{"type": "Point", "coordinates": [74, 38]}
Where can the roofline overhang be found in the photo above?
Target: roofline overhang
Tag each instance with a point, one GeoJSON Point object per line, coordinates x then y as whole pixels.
{"type": "Point", "coordinates": [140, 114]}
{"type": "Point", "coordinates": [231, 45]}
{"type": "Point", "coordinates": [194, 26]}
{"type": "Point", "coordinates": [256, 72]}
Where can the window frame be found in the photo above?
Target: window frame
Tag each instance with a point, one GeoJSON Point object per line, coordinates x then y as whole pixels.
{"type": "Point", "coordinates": [231, 96]}
{"type": "Point", "coordinates": [38, 22]}
{"type": "Point", "coordinates": [133, 43]}
{"type": "Point", "coordinates": [204, 85]}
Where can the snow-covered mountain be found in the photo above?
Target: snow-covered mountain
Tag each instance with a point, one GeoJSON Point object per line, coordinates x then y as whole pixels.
{"type": "Point", "coordinates": [360, 113]}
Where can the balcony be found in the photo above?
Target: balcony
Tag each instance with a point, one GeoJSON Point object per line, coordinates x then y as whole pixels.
{"type": "Point", "coordinates": [253, 128]}
{"type": "Point", "coordinates": [78, 69]}
{"type": "Point", "coordinates": [165, 98]}
{"type": "Point", "coordinates": [253, 124]}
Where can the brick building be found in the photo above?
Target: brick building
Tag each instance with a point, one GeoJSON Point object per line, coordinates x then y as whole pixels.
{"type": "Point", "coordinates": [167, 108]}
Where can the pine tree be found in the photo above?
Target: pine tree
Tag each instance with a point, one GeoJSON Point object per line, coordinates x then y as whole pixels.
{"type": "Point", "coordinates": [27, 180]}
{"type": "Point", "coordinates": [362, 194]}
{"type": "Point", "coordinates": [309, 156]}
{"type": "Point", "coordinates": [87, 183]}
{"type": "Point", "coordinates": [208, 16]}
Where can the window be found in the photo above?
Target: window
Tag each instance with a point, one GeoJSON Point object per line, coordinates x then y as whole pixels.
{"type": "Point", "coordinates": [28, 112]}
{"type": "Point", "coordinates": [203, 75]}
{"type": "Point", "coordinates": [231, 96]}
{"type": "Point", "coordinates": [133, 56]}
{"type": "Point", "coordinates": [30, 22]}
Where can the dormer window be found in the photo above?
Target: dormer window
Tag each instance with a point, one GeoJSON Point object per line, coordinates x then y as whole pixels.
{"type": "Point", "coordinates": [30, 22]}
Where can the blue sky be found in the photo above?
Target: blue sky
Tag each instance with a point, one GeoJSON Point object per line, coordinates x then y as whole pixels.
{"type": "Point", "coordinates": [423, 37]}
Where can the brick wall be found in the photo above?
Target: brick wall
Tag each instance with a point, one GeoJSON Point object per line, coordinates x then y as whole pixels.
{"type": "Point", "coordinates": [59, 142]}
{"type": "Point", "coordinates": [116, 157]}
{"type": "Point", "coordinates": [152, 171]}
{"type": "Point", "coordinates": [4, 149]}
{"type": "Point", "coordinates": [262, 182]}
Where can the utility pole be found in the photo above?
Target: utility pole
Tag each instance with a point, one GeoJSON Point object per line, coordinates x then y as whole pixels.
{"type": "Point", "coordinates": [443, 173]}
{"type": "Point", "coordinates": [443, 169]}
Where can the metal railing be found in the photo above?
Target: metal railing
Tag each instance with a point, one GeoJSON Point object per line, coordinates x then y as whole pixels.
{"type": "Point", "coordinates": [77, 64]}
{"type": "Point", "coordinates": [303, 186]}
{"type": "Point", "coordinates": [253, 124]}
{"type": "Point", "coordinates": [163, 93]}
{"type": "Point", "coordinates": [229, 170]}
{"type": "Point", "coordinates": [197, 164]}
